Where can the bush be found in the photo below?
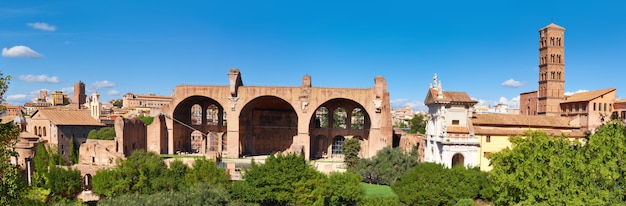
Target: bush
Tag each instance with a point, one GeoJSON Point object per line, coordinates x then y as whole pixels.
{"type": "Point", "coordinates": [433, 184]}
{"type": "Point", "coordinates": [379, 201]}
{"type": "Point", "coordinates": [106, 133]}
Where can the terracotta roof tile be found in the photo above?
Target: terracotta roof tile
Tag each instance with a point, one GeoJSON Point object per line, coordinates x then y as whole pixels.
{"type": "Point", "coordinates": [480, 130]}
{"type": "Point", "coordinates": [70, 117]}
{"type": "Point", "coordinates": [553, 25]}
{"type": "Point", "coordinates": [452, 97]}
{"type": "Point", "coordinates": [521, 120]}
{"type": "Point", "coordinates": [587, 96]}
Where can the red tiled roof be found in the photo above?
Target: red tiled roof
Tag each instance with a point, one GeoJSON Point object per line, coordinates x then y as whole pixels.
{"type": "Point", "coordinates": [70, 117]}
{"type": "Point", "coordinates": [587, 96]}
{"type": "Point", "coordinates": [460, 97]}
{"type": "Point", "coordinates": [521, 120]}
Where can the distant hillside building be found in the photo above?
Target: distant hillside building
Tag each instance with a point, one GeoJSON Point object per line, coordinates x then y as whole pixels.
{"type": "Point", "coordinates": [58, 98]}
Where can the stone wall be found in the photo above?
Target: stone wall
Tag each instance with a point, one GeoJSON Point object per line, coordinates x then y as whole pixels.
{"type": "Point", "coordinates": [131, 135]}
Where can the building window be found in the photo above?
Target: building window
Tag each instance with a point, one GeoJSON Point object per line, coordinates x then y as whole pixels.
{"type": "Point", "coordinates": [455, 122]}
{"type": "Point", "coordinates": [338, 145]}
{"type": "Point", "coordinates": [584, 107]}
{"type": "Point", "coordinates": [594, 106]}
{"type": "Point", "coordinates": [605, 107]}
{"type": "Point", "coordinates": [488, 139]}
{"type": "Point", "coordinates": [577, 107]}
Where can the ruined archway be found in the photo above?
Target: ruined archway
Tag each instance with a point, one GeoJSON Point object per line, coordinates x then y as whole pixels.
{"type": "Point", "coordinates": [194, 119]}
{"type": "Point", "coordinates": [267, 125]}
{"type": "Point", "coordinates": [338, 117]}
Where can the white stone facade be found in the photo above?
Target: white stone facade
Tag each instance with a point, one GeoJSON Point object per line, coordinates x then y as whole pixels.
{"type": "Point", "coordinates": [449, 139]}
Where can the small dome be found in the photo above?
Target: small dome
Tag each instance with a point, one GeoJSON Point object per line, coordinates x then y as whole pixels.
{"type": "Point", "coordinates": [19, 120]}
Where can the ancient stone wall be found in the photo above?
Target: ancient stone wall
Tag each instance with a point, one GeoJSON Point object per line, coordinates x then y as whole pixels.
{"type": "Point", "coordinates": [131, 135]}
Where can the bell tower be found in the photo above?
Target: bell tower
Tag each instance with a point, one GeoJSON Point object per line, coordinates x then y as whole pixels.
{"type": "Point", "coordinates": [551, 70]}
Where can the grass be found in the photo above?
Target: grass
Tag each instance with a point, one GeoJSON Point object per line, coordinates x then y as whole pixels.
{"type": "Point", "coordinates": [373, 190]}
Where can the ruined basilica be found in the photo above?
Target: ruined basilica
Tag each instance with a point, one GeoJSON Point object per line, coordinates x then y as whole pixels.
{"type": "Point", "coordinates": [236, 120]}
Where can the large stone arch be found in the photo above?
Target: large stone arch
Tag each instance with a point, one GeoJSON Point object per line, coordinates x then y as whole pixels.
{"type": "Point", "coordinates": [267, 124]}
{"type": "Point", "coordinates": [322, 125]}
{"type": "Point", "coordinates": [183, 127]}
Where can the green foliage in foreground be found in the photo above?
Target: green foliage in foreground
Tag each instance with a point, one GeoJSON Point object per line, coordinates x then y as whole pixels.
{"type": "Point", "coordinates": [433, 184]}
{"type": "Point", "coordinates": [11, 184]}
{"type": "Point", "coordinates": [386, 167]}
{"type": "Point", "coordinates": [105, 133]}
{"type": "Point", "coordinates": [201, 194]}
{"type": "Point", "coordinates": [351, 149]}
{"type": "Point", "coordinates": [146, 173]}
{"type": "Point", "coordinates": [543, 170]}
{"type": "Point", "coordinates": [290, 180]}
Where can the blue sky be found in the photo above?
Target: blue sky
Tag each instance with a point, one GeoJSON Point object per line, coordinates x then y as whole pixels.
{"type": "Point", "coordinates": [488, 49]}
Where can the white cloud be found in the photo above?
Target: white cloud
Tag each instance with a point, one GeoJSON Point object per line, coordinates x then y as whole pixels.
{"type": "Point", "coordinates": [101, 85]}
{"type": "Point", "coordinates": [39, 78]}
{"type": "Point", "coordinates": [42, 26]}
{"type": "Point", "coordinates": [513, 83]}
{"type": "Point", "coordinates": [20, 52]}
{"type": "Point", "coordinates": [113, 92]}
{"type": "Point", "coordinates": [67, 90]}
{"type": "Point", "coordinates": [403, 102]}
{"type": "Point", "coordinates": [17, 97]}
{"type": "Point", "coordinates": [579, 91]}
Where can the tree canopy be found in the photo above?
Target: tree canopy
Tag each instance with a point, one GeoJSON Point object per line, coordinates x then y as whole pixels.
{"type": "Point", "coordinates": [11, 185]}
{"type": "Point", "coordinates": [387, 166]}
{"type": "Point", "coordinates": [105, 133]}
{"type": "Point", "coordinates": [433, 184]}
{"type": "Point", "coordinates": [418, 124]}
{"type": "Point", "coordinates": [556, 171]}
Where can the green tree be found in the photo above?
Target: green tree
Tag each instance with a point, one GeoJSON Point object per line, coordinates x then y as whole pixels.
{"type": "Point", "coordinates": [11, 185]}
{"type": "Point", "coordinates": [418, 124]}
{"type": "Point", "coordinates": [147, 120]}
{"type": "Point", "coordinates": [344, 188]}
{"type": "Point", "coordinates": [64, 183]}
{"type": "Point", "coordinates": [73, 150]}
{"type": "Point", "coordinates": [105, 133]}
{"type": "Point", "coordinates": [142, 172]}
{"type": "Point", "coordinates": [274, 182]}
{"type": "Point", "coordinates": [386, 167]}
{"type": "Point", "coordinates": [351, 149]}
{"type": "Point", "coordinates": [201, 194]}
{"type": "Point", "coordinates": [41, 158]}
{"type": "Point", "coordinates": [605, 164]}
{"type": "Point", "coordinates": [540, 169]}
{"type": "Point", "coordinates": [206, 171]}
{"type": "Point", "coordinates": [433, 184]}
